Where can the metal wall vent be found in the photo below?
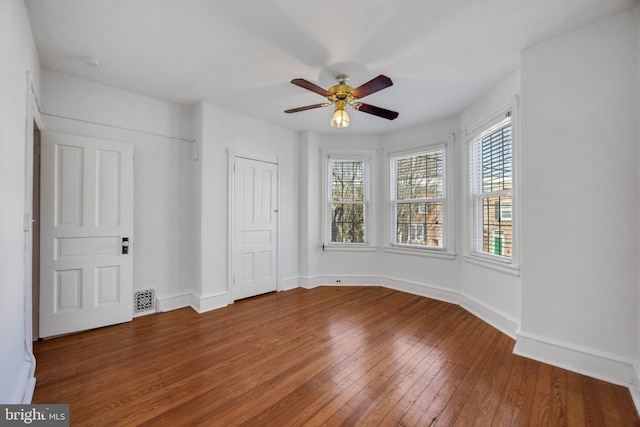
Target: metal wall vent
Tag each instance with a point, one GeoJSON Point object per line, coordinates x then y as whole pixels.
{"type": "Point", "coordinates": [144, 301]}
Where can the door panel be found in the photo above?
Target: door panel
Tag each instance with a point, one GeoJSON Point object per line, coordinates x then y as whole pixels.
{"type": "Point", "coordinates": [255, 222]}
{"type": "Point", "coordinates": [87, 209]}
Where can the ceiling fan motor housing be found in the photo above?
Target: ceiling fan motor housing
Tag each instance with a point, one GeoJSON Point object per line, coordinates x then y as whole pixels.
{"type": "Point", "coordinates": [341, 91]}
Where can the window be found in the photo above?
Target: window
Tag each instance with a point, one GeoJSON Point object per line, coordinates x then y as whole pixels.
{"type": "Point", "coordinates": [347, 207]}
{"type": "Point", "coordinates": [491, 186]}
{"type": "Point", "coordinates": [418, 199]}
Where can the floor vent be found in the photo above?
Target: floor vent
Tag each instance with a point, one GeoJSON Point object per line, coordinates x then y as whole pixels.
{"type": "Point", "coordinates": [144, 301]}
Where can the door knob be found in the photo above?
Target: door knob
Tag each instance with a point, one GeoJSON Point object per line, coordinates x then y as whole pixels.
{"type": "Point", "coordinates": [125, 245]}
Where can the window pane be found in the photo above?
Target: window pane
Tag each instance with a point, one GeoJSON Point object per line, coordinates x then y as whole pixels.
{"type": "Point", "coordinates": [435, 170]}
{"type": "Point", "coordinates": [420, 177]}
{"type": "Point", "coordinates": [347, 223]}
{"type": "Point", "coordinates": [419, 224]}
{"type": "Point", "coordinates": [496, 160]}
{"type": "Point", "coordinates": [347, 182]}
{"type": "Point", "coordinates": [496, 225]}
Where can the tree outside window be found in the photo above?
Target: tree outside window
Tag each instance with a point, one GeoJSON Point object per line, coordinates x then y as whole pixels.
{"type": "Point", "coordinates": [418, 198]}
{"type": "Point", "coordinates": [347, 201]}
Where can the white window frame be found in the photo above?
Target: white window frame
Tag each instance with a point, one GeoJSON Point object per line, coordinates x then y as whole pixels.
{"type": "Point", "coordinates": [472, 228]}
{"type": "Point", "coordinates": [368, 159]}
{"type": "Point", "coordinates": [443, 144]}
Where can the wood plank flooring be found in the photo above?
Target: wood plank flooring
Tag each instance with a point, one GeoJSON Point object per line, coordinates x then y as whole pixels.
{"type": "Point", "coordinates": [334, 356]}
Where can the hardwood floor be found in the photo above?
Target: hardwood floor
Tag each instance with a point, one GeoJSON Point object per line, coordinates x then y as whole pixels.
{"type": "Point", "coordinates": [351, 356]}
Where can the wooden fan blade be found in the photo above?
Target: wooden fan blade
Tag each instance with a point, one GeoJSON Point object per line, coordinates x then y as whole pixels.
{"type": "Point", "coordinates": [310, 86]}
{"type": "Point", "coordinates": [377, 111]}
{"type": "Point", "coordinates": [308, 107]}
{"type": "Point", "coordinates": [372, 86]}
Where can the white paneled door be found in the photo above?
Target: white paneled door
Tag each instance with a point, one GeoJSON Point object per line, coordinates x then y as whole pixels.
{"type": "Point", "coordinates": [87, 227]}
{"type": "Point", "coordinates": [255, 228]}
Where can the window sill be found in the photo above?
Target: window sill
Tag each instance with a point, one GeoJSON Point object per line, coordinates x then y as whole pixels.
{"type": "Point", "coordinates": [349, 248]}
{"type": "Point", "coordinates": [429, 253]}
{"type": "Point", "coordinates": [495, 265]}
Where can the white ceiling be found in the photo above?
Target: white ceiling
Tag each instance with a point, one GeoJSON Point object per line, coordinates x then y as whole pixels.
{"type": "Point", "coordinates": [241, 55]}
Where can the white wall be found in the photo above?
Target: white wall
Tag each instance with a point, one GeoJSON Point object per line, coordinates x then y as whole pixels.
{"type": "Point", "coordinates": [164, 172]}
{"type": "Point", "coordinates": [223, 130]}
{"type": "Point", "coordinates": [497, 292]}
{"type": "Point", "coordinates": [325, 267]}
{"type": "Point", "coordinates": [580, 199]}
{"type": "Point", "coordinates": [398, 269]}
{"type": "Point", "coordinates": [18, 53]}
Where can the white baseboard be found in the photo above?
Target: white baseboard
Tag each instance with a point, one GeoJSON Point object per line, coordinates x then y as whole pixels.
{"type": "Point", "coordinates": [338, 280]}
{"type": "Point", "coordinates": [289, 284]}
{"type": "Point", "coordinates": [209, 302]}
{"type": "Point", "coordinates": [29, 390]}
{"type": "Point", "coordinates": [501, 321]}
{"type": "Point", "coordinates": [18, 383]}
{"type": "Point", "coordinates": [587, 361]}
{"type": "Point", "coordinates": [173, 302]}
{"type": "Point", "coordinates": [422, 289]}
{"type": "Point", "coordinates": [634, 387]}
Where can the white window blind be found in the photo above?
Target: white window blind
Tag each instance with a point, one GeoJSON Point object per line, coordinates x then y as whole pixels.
{"type": "Point", "coordinates": [418, 199]}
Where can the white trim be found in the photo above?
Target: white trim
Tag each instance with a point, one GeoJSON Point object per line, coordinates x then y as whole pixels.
{"type": "Point", "coordinates": [29, 390]}
{"type": "Point", "coordinates": [230, 222]}
{"type": "Point", "coordinates": [482, 260]}
{"type": "Point", "coordinates": [422, 289]}
{"type": "Point", "coordinates": [172, 302]}
{"type": "Point", "coordinates": [278, 227]}
{"type": "Point", "coordinates": [583, 360]}
{"type": "Point", "coordinates": [311, 282]}
{"type": "Point", "coordinates": [264, 159]}
{"type": "Point", "coordinates": [420, 251]}
{"type": "Point", "coordinates": [31, 115]}
{"type": "Point", "coordinates": [204, 303]}
{"type": "Point", "coordinates": [634, 387]}
{"type": "Point", "coordinates": [501, 321]}
{"type": "Point", "coordinates": [346, 247]}
{"type": "Point", "coordinates": [289, 283]}
{"type": "Point", "coordinates": [93, 122]}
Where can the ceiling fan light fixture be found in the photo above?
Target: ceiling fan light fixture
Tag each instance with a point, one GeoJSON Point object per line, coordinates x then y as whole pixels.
{"type": "Point", "coordinates": [340, 118]}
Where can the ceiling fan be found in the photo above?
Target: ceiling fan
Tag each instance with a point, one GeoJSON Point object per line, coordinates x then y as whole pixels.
{"type": "Point", "coordinates": [342, 95]}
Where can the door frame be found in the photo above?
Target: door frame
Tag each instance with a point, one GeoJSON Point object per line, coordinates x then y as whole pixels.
{"type": "Point", "coordinates": [33, 118]}
{"type": "Point", "coordinates": [232, 155]}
